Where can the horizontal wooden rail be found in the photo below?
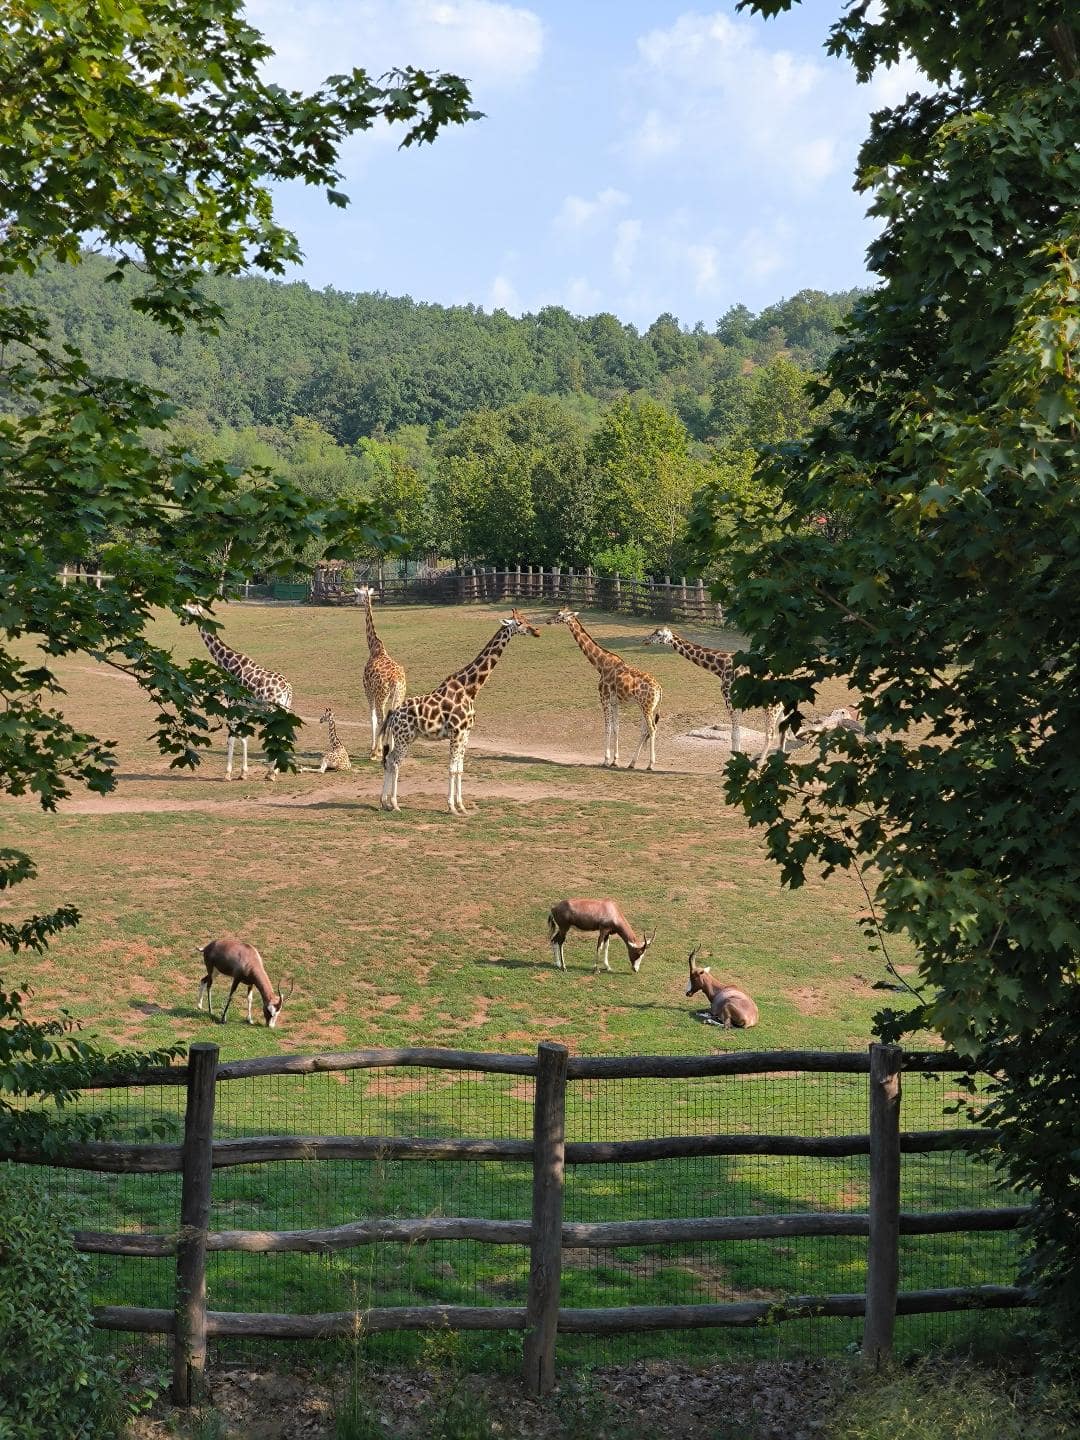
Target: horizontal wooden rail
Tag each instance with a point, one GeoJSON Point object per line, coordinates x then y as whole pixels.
{"type": "Point", "coordinates": [118, 1157]}
{"type": "Point", "coordinates": [580, 1067]}
{"type": "Point", "coordinates": [575, 1234]}
{"type": "Point", "coordinates": [613, 1321]}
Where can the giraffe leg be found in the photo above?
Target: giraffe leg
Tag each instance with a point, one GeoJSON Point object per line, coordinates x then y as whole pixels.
{"type": "Point", "coordinates": [229, 748]}
{"type": "Point", "coordinates": [735, 717]}
{"type": "Point", "coordinates": [641, 741]}
{"type": "Point", "coordinates": [654, 723]}
{"type": "Point", "coordinates": [391, 766]}
{"type": "Point", "coordinates": [376, 721]}
{"type": "Point", "coordinates": [457, 770]}
{"type": "Point", "coordinates": [244, 757]}
{"type": "Point", "coordinates": [615, 735]}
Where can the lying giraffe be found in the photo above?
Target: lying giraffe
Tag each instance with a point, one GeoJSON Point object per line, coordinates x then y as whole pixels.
{"type": "Point", "coordinates": [448, 713]}
{"type": "Point", "coordinates": [721, 663]}
{"type": "Point", "coordinates": [268, 687]}
{"type": "Point", "coordinates": [619, 683]}
{"type": "Point", "coordinates": [335, 757]}
{"type": "Point", "coordinates": [384, 678]}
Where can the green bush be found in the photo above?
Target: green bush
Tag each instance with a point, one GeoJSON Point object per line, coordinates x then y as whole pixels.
{"type": "Point", "coordinates": [626, 560]}
{"type": "Point", "coordinates": [52, 1384]}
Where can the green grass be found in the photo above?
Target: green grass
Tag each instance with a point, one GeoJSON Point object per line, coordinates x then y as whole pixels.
{"type": "Point", "coordinates": [426, 929]}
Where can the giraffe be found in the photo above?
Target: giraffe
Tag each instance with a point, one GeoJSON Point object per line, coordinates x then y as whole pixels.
{"type": "Point", "coordinates": [619, 682]}
{"type": "Point", "coordinates": [384, 678]}
{"type": "Point", "coordinates": [447, 713]}
{"type": "Point", "coordinates": [268, 687]}
{"type": "Point", "coordinates": [721, 663]}
{"type": "Point", "coordinates": [336, 757]}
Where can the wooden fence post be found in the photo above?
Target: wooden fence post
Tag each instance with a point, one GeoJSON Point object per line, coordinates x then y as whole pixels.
{"type": "Point", "coordinates": [883, 1249]}
{"type": "Point", "coordinates": [189, 1335]}
{"type": "Point", "coordinates": [545, 1263]}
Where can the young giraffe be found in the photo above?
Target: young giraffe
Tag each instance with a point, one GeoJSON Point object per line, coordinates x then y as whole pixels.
{"type": "Point", "coordinates": [266, 686]}
{"type": "Point", "coordinates": [721, 663]}
{"type": "Point", "coordinates": [384, 678]}
{"type": "Point", "coordinates": [336, 757]}
{"type": "Point", "coordinates": [447, 713]}
{"type": "Point", "coordinates": [619, 682]}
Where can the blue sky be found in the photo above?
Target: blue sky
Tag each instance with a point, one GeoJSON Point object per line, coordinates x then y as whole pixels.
{"type": "Point", "coordinates": [634, 157]}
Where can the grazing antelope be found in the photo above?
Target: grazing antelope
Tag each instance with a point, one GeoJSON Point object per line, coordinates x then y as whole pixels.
{"type": "Point", "coordinates": [606, 918]}
{"type": "Point", "coordinates": [728, 1005]}
{"type": "Point", "coordinates": [243, 963]}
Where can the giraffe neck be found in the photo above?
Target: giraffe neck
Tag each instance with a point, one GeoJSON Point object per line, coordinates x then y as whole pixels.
{"type": "Point", "coordinates": [594, 653]}
{"type": "Point", "coordinates": [374, 644]}
{"type": "Point", "coordinates": [715, 661]}
{"type": "Point", "coordinates": [255, 680]}
{"type": "Point", "coordinates": [471, 677]}
{"type": "Point", "coordinates": [331, 733]}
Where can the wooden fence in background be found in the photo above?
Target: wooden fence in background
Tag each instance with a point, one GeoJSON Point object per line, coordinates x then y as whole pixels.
{"type": "Point", "coordinates": [545, 1233]}
{"type": "Point", "coordinates": [667, 599]}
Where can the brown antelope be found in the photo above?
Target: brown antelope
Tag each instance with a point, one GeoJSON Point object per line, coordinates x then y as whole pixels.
{"type": "Point", "coordinates": [606, 918]}
{"type": "Point", "coordinates": [728, 1005]}
{"type": "Point", "coordinates": [244, 965]}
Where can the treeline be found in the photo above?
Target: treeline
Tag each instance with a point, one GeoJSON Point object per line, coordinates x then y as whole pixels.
{"type": "Point", "coordinates": [550, 438]}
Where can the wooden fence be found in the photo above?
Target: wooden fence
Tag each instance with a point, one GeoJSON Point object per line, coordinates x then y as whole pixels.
{"type": "Point", "coordinates": [545, 1233]}
{"type": "Point", "coordinates": [666, 599]}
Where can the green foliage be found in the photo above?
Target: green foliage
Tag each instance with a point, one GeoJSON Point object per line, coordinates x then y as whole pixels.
{"type": "Point", "coordinates": [945, 591]}
{"type": "Point", "coordinates": [627, 560]}
{"type": "Point", "coordinates": [43, 1064]}
{"type": "Point", "coordinates": [51, 1381]}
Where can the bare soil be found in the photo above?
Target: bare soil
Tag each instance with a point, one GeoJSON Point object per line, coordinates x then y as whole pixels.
{"type": "Point", "coordinates": [653, 1400]}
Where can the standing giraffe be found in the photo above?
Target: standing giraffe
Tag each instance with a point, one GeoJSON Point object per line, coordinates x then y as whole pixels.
{"type": "Point", "coordinates": [447, 713]}
{"type": "Point", "coordinates": [268, 687]}
{"type": "Point", "coordinates": [384, 678]}
{"type": "Point", "coordinates": [619, 683]}
{"type": "Point", "coordinates": [721, 663]}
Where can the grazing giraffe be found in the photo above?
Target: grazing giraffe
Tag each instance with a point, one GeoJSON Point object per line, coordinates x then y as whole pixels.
{"type": "Point", "coordinates": [721, 663]}
{"type": "Point", "coordinates": [268, 687]}
{"type": "Point", "coordinates": [447, 713]}
{"type": "Point", "coordinates": [384, 678]}
{"type": "Point", "coordinates": [619, 682]}
{"type": "Point", "coordinates": [336, 757]}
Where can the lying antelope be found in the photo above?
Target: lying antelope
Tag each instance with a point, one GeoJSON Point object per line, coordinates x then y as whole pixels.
{"type": "Point", "coordinates": [728, 1005]}
{"type": "Point", "coordinates": [606, 918]}
{"type": "Point", "coordinates": [242, 962]}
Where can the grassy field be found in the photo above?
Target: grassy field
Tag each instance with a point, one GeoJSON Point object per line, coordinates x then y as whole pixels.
{"type": "Point", "coordinates": [427, 929]}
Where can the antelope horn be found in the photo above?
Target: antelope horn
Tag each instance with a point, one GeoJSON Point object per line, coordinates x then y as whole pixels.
{"type": "Point", "coordinates": [692, 954]}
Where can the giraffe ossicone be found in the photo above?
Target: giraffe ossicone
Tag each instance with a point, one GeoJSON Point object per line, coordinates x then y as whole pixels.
{"type": "Point", "coordinates": [620, 683]}
{"type": "Point", "coordinates": [447, 713]}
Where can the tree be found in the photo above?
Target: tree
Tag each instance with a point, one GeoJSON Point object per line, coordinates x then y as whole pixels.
{"type": "Point", "coordinates": [145, 127]}
{"type": "Point", "coordinates": [949, 598]}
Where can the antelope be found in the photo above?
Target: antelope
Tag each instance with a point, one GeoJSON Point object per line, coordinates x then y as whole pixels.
{"type": "Point", "coordinates": [606, 918]}
{"type": "Point", "coordinates": [243, 963]}
{"type": "Point", "coordinates": [728, 1005]}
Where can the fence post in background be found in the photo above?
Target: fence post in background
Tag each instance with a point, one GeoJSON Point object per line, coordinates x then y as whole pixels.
{"type": "Point", "coordinates": [883, 1250]}
{"type": "Point", "coordinates": [196, 1154]}
{"type": "Point", "coordinates": [616, 591]}
{"type": "Point", "coordinates": [588, 586]}
{"type": "Point", "coordinates": [545, 1261]}
{"type": "Point", "coordinates": [556, 581]}
{"type": "Point", "coordinates": [683, 597]}
{"type": "Point", "coordinates": [701, 598]}
{"type": "Point", "coordinates": [517, 581]}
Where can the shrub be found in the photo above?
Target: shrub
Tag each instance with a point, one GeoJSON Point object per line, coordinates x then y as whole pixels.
{"type": "Point", "coordinates": [52, 1384]}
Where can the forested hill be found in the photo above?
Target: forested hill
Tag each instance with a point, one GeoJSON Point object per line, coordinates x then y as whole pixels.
{"type": "Point", "coordinates": [369, 364]}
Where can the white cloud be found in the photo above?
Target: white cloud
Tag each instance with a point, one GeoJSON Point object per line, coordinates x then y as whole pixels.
{"type": "Point", "coordinates": [581, 298]}
{"type": "Point", "coordinates": [627, 239]}
{"type": "Point", "coordinates": [494, 45]}
{"type": "Point", "coordinates": [577, 213]}
{"type": "Point", "coordinates": [502, 295]}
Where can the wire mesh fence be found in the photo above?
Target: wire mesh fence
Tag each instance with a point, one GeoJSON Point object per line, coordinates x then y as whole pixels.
{"type": "Point", "coordinates": [423, 1102]}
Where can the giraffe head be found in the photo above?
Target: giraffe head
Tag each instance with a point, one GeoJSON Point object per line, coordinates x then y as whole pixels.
{"type": "Point", "coordinates": [661, 636]}
{"type": "Point", "coordinates": [200, 612]}
{"type": "Point", "coordinates": [364, 592]}
{"type": "Point", "coordinates": [563, 617]}
{"type": "Point", "coordinates": [517, 624]}
{"type": "Point", "coordinates": [326, 716]}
